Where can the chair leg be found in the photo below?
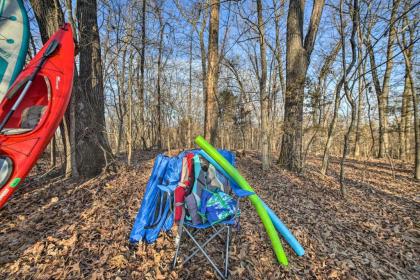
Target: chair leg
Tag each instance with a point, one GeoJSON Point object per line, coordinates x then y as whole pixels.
{"type": "Point", "coordinates": [177, 244]}
{"type": "Point", "coordinates": [203, 245]}
{"type": "Point", "coordinates": [218, 232]}
{"type": "Point", "coordinates": [206, 255]}
{"type": "Point", "coordinates": [227, 252]}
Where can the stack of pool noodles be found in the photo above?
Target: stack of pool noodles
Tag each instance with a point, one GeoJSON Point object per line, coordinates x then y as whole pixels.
{"type": "Point", "coordinates": [269, 219]}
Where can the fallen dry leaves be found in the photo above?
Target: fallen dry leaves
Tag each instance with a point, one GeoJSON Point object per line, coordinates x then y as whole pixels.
{"type": "Point", "coordinates": [63, 229]}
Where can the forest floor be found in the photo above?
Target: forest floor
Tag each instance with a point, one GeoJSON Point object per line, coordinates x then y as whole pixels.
{"type": "Point", "coordinates": [55, 229]}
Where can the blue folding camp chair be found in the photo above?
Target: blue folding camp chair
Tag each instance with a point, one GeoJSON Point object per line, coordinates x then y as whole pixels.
{"type": "Point", "coordinates": [216, 230]}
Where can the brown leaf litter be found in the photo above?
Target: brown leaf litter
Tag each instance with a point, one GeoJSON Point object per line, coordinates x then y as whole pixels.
{"type": "Point", "coordinates": [62, 229]}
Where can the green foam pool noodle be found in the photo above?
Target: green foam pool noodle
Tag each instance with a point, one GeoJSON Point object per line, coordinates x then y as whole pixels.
{"type": "Point", "coordinates": [259, 207]}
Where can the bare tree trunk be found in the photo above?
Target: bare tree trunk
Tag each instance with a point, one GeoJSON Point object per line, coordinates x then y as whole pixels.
{"type": "Point", "coordinates": [32, 48]}
{"type": "Point", "coordinates": [405, 117]}
{"type": "Point", "coordinates": [93, 148]}
{"type": "Point", "coordinates": [49, 16]}
{"type": "Point", "coordinates": [203, 61]}
{"type": "Point", "coordinates": [72, 140]}
{"type": "Point", "coordinates": [279, 59]}
{"type": "Point", "coordinates": [355, 20]}
{"type": "Point", "coordinates": [67, 145]}
{"type": "Point", "coordinates": [376, 84]}
{"type": "Point", "coordinates": [279, 12]}
{"type": "Point", "coordinates": [264, 98]}
{"type": "Point", "coordinates": [383, 93]}
{"type": "Point", "coordinates": [331, 128]}
{"type": "Point", "coordinates": [252, 139]}
{"type": "Point", "coordinates": [407, 50]}
{"type": "Point", "coordinates": [404, 131]}
{"type": "Point", "coordinates": [120, 135]}
{"type": "Point", "coordinates": [190, 139]}
{"type": "Point", "coordinates": [298, 58]}
{"type": "Point", "coordinates": [53, 151]}
{"type": "Point", "coordinates": [71, 117]}
{"type": "Point", "coordinates": [356, 152]}
{"type": "Point", "coordinates": [416, 129]}
{"type": "Point", "coordinates": [130, 111]}
{"type": "Point", "coordinates": [372, 135]}
{"type": "Point", "coordinates": [142, 60]}
{"type": "Point", "coordinates": [244, 113]}
{"type": "Point", "coordinates": [384, 138]}
{"type": "Point", "coordinates": [211, 118]}
{"type": "Point", "coordinates": [159, 78]}
{"type": "Point", "coordinates": [361, 88]}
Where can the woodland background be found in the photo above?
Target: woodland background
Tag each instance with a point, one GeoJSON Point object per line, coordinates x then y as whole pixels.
{"type": "Point", "coordinates": [319, 100]}
{"type": "Point", "coordinates": [284, 78]}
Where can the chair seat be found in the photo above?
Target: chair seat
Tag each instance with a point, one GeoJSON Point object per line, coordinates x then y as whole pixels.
{"type": "Point", "coordinates": [231, 221]}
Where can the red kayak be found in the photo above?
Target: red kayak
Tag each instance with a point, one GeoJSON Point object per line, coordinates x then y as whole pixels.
{"type": "Point", "coordinates": [31, 113]}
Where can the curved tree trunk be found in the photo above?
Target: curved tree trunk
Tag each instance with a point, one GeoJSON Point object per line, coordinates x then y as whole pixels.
{"type": "Point", "coordinates": [355, 23]}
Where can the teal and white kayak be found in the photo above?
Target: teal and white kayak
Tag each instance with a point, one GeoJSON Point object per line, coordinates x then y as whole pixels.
{"type": "Point", "coordinates": [14, 41]}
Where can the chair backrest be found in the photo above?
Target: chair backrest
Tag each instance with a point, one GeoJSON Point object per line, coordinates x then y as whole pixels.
{"type": "Point", "coordinates": [217, 206]}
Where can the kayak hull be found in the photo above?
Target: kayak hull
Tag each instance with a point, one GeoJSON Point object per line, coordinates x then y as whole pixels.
{"type": "Point", "coordinates": [50, 92]}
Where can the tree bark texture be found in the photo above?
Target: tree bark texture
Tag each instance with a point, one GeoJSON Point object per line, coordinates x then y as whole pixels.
{"type": "Point", "coordinates": [49, 16]}
{"type": "Point", "coordinates": [142, 62]}
{"type": "Point", "coordinates": [408, 53]}
{"type": "Point", "coordinates": [264, 98]}
{"type": "Point", "coordinates": [405, 117]}
{"type": "Point", "coordinates": [211, 116]}
{"type": "Point", "coordinates": [361, 88]}
{"type": "Point", "coordinates": [93, 148]}
{"type": "Point", "coordinates": [298, 58]}
{"type": "Point", "coordinates": [159, 79]}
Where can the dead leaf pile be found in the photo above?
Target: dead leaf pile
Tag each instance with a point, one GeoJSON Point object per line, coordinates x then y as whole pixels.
{"type": "Point", "coordinates": [56, 229]}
